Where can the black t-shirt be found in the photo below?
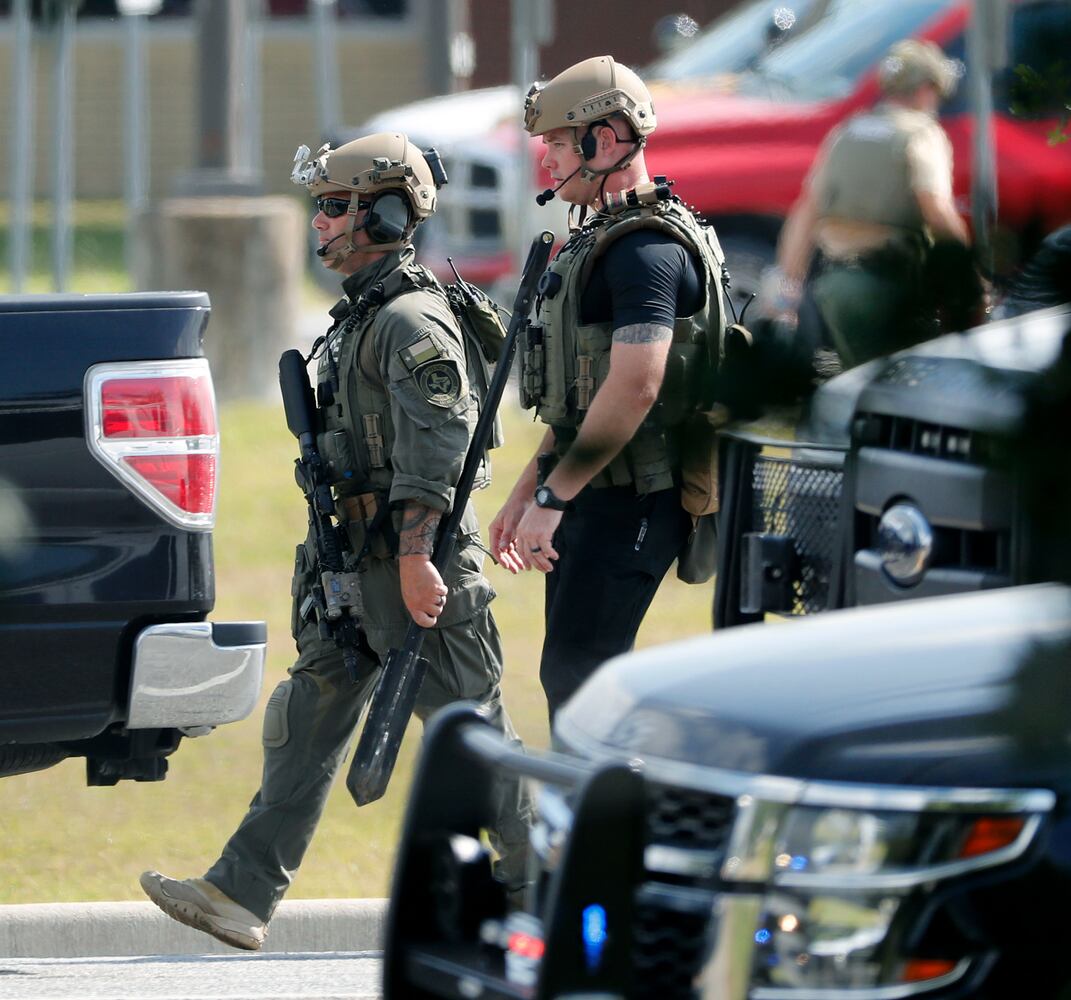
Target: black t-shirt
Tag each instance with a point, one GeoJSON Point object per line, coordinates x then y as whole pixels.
{"type": "Point", "coordinates": [644, 277]}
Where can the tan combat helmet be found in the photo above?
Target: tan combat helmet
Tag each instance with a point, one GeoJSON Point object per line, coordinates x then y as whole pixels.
{"type": "Point", "coordinates": [391, 178]}
{"type": "Point", "coordinates": [911, 63]}
{"type": "Point", "coordinates": [589, 92]}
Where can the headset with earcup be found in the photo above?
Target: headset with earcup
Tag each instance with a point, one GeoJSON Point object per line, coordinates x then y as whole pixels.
{"type": "Point", "coordinates": [389, 217]}
{"type": "Point", "coordinates": [587, 142]}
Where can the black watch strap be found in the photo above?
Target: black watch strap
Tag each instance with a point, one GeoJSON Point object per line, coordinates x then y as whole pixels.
{"type": "Point", "coordinates": [544, 497]}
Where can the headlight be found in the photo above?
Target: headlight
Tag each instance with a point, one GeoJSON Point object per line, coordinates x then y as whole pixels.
{"type": "Point", "coordinates": [816, 889]}
{"type": "Point", "coordinates": [905, 542]}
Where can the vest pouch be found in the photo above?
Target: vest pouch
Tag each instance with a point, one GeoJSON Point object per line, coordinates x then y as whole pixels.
{"type": "Point", "coordinates": [650, 461]}
{"type": "Point", "coordinates": [699, 466]}
{"type": "Point", "coordinates": [480, 321]}
{"type": "Point", "coordinates": [300, 587]}
{"type": "Point", "coordinates": [594, 342]}
{"type": "Point", "coordinates": [531, 376]}
{"type": "Point", "coordinates": [338, 455]}
{"type": "Point", "coordinates": [555, 367]}
{"type": "Point", "coordinates": [479, 372]}
{"type": "Point", "coordinates": [699, 556]}
{"type": "Point", "coordinates": [679, 394]}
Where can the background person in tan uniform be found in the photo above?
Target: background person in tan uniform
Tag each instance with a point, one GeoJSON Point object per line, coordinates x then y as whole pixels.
{"type": "Point", "coordinates": [395, 354]}
{"type": "Point", "coordinates": [877, 198]}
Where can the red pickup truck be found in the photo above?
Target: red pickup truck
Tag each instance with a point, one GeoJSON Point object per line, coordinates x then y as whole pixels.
{"type": "Point", "coordinates": [739, 151]}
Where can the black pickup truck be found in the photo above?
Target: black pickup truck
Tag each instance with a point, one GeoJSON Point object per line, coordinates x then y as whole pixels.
{"type": "Point", "coordinates": [109, 451]}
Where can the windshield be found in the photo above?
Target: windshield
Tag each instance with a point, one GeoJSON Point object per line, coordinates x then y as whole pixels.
{"type": "Point", "coordinates": [733, 42]}
{"type": "Point", "coordinates": [826, 62]}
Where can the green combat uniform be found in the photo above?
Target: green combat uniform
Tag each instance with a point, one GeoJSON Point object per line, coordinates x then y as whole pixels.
{"type": "Point", "coordinates": [397, 416]}
{"type": "Point", "coordinates": [869, 173]}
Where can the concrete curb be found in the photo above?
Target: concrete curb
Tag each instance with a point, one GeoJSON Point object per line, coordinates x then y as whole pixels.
{"type": "Point", "coordinates": [85, 930]}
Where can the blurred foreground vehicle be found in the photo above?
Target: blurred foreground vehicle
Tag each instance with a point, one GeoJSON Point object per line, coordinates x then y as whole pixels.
{"type": "Point", "coordinates": [109, 455]}
{"type": "Point", "coordinates": [866, 804]}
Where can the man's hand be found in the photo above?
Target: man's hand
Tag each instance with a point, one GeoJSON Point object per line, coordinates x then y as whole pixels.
{"type": "Point", "coordinates": [534, 534]}
{"type": "Point", "coordinates": [423, 590]}
{"type": "Point", "coordinates": [503, 532]}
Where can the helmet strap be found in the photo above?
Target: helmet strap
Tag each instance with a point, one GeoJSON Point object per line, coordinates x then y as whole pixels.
{"type": "Point", "coordinates": [590, 173]}
{"type": "Point", "coordinates": [348, 247]}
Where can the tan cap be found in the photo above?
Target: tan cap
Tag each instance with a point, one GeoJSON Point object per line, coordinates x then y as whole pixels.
{"type": "Point", "coordinates": [911, 63]}
{"type": "Point", "coordinates": [587, 92]}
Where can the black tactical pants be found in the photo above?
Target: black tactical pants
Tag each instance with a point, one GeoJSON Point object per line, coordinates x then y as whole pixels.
{"type": "Point", "coordinates": [614, 550]}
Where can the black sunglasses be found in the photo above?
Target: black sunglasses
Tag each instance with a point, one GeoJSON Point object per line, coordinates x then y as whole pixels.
{"type": "Point", "coordinates": [334, 207]}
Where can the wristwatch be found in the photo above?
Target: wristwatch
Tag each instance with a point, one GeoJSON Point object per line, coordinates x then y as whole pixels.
{"type": "Point", "coordinates": [544, 497]}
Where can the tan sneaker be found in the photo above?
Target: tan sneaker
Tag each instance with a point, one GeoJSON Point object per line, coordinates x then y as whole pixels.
{"type": "Point", "coordinates": [197, 903]}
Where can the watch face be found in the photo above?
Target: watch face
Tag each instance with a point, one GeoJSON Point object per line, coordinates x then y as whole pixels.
{"type": "Point", "coordinates": [541, 495]}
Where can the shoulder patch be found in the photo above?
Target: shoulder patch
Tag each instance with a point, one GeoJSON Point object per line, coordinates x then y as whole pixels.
{"type": "Point", "coordinates": [439, 381]}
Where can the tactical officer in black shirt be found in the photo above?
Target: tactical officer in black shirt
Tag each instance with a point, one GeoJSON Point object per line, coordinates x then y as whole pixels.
{"type": "Point", "coordinates": [634, 294]}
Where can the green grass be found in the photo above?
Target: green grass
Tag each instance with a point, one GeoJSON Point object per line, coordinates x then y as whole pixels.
{"type": "Point", "coordinates": [69, 842]}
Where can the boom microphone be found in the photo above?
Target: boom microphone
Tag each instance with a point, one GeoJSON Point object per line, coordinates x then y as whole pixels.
{"type": "Point", "coordinates": [322, 251]}
{"type": "Point", "coordinates": [548, 195]}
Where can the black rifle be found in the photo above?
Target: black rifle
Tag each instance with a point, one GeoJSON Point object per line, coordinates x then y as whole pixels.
{"type": "Point", "coordinates": [404, 671]}
{"type": "Point", "coordinates": [335, 589]}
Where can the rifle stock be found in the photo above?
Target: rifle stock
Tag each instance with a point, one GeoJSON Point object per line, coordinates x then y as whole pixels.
{"type": "Point", "coordinates": [403, 673]}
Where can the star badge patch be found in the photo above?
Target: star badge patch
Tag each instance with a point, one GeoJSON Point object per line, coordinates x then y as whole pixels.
{"type": "Point", "coordinates": [439, 382]}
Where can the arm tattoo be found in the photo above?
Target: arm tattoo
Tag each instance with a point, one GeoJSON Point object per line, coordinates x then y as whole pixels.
{"type": "Point", "coordinates": [642, 333]}
{"type": "Point", "coordinates": [419, 526]}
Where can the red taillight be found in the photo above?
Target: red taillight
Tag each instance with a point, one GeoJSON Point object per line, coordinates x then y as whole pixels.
{"type": "Point", "coordinates": [157, 407]}
{"type": "Point", "coordinates": [153, 424]}
{"type": "Point", "coordinates": [188, 481]}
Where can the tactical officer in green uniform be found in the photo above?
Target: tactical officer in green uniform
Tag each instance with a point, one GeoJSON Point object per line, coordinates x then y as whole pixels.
{"type": "Point", "coordinates": [877, 197]}
{"type": "Point", "coordinates": [397, 412]}
{"type": "Point", "coordinates": [629, 316]}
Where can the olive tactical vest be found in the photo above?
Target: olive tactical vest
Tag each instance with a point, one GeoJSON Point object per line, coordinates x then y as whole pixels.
{"type": "Point", "coordinates": [565, 361]}
{"type": "Point", "coordinates": [357, 433]}
{"type": "Point", "coordinates": [867, 176]}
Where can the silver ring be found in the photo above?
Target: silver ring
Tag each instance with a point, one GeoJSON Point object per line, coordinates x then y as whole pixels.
{"type": "Point", "coordinates": [442, 600]}
{"type": "Point", "coordinates": [536, 549]}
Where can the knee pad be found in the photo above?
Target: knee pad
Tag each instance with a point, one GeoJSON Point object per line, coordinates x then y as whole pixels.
{"type": "Point", "coordinates": [277, 716]}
